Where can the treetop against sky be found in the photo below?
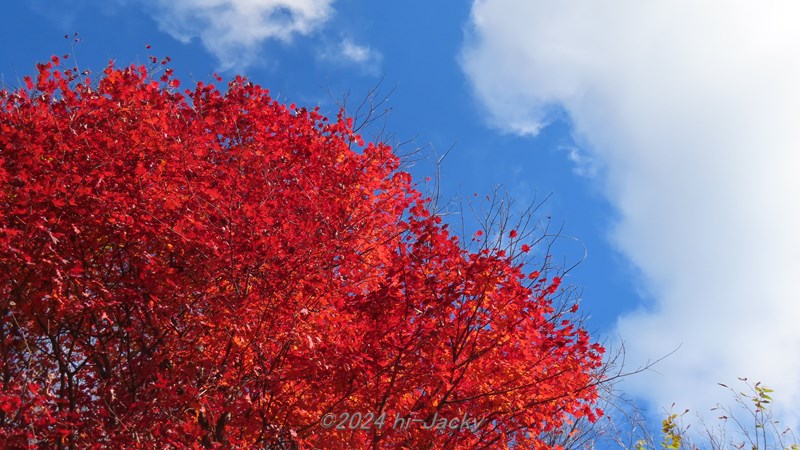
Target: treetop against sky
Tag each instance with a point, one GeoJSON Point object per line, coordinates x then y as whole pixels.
{"type": "Point", "coordinates": [663, 134]}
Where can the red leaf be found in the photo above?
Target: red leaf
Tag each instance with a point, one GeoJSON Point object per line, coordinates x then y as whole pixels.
{"type": "Point", "coordinates": [232, 269]}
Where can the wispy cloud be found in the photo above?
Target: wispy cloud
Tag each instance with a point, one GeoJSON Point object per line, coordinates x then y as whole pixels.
{"type": "Point", "coordinates": [234, 30]}
{"type": "Point", "coordinates": [348, 53]}
{"type": "Point", "coordinates": [584, 164]}
{"type": "Point", "coordinates": [692, 107]}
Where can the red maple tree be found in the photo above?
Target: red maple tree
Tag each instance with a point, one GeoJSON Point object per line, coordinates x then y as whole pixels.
{"type": "Point", "coordinates": [202, 269]}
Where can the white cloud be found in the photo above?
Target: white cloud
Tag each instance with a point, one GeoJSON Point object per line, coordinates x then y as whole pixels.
{"type": "Point", "coordinates": [693, 110]}
{"type": "Point", "coordinates": [356, 53]}
{"type": "Point", "coordinates": [348, 53]}
{"type": "Point", "coordinates": [234, 30]}
{"type": "Point", "coordinates": [583, 163]}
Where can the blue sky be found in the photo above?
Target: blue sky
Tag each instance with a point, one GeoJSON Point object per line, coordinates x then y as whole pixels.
{"type": "Point", "coordinates": [666, 134]}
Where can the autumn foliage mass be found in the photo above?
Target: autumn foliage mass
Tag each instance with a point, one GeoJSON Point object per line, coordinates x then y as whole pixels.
{"type": "Point", "coordinates": [207, 269]}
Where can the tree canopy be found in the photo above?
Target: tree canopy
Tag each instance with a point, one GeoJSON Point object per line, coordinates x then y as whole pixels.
{"type": "Point", "coordinates": [200, 268]}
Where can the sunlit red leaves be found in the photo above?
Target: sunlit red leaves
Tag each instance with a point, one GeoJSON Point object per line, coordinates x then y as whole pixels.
{"type": "Point", "coordinates": [206, 269]}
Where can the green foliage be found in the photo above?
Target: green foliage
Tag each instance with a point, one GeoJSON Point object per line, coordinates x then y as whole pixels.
{"type": "Point", "coordinates": [754, 425]}
{"type": "Point", "coordinates": [672, 436]}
